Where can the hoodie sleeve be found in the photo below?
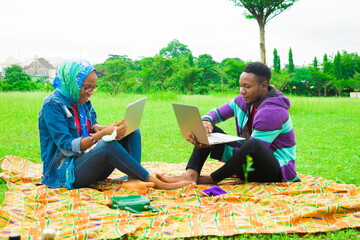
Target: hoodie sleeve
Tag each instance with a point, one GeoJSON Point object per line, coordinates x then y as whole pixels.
{"type": "Point", "coordinates": [268, 125]}
{"type": "Point", "coordinates": [220, 114]}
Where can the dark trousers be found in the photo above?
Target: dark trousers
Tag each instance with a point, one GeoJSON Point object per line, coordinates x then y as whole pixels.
{"type": "Point", "coordinates": [265, 165]}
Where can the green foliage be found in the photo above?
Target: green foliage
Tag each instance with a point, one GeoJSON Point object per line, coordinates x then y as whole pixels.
{"type": "Point", "coordinates": [315, 63]}
{"type": "Point", "coordinates": [320, 80]}
{"type": "Point", "coordinates": [185, 76]}
{"type": "Point", "coordinates": [115, 73]}
{"type": "Point", "coordinates": [174, 49]}
{"type": "Point", "coordinates": [326, 64]}
{"type": "Point", "coordinates": [300, 84]}
{"type": "Point", "coordinates": [265, 9]}
{"type": "Point", "coordinates": [291, 67]}
{"type": "Point", "coordinates": [13, 69]}
{"type": "Point", "coordinates": [337, 66]}
{"type": "Point", "coordinates": [233, 69]}
{"type": "Point", "coordinates": [17, 80]}
{"type": "Point", "coordinates": [280, 80]}
{"type": "Point", "coordinates": [177, 70]}
{"type": "Point", "coordinates": [349, 64]}
{"type": "Point", "coordinates": [276, 61]}
{"type": "Point", "coordinates": [162, 71]}
{"type": "Point", "coordinates": [355, 82]}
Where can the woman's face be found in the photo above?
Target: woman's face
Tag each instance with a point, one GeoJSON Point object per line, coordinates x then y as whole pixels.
{"type": "Point", "coordinates": [88, 87]}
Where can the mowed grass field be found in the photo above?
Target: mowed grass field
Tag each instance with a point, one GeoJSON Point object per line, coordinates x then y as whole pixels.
{"type": "Point", "coordinates": [327, 134]}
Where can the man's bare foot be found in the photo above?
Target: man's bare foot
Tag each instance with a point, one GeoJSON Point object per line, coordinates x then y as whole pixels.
{"type": "Point", "coordinates": [205, 179]}
{"type": "Point", "coordinates": [189, 175]}
{"type": "Point", "coordinates": [138, 186]}
{"type": "Point", "coordinates": [168, 185]}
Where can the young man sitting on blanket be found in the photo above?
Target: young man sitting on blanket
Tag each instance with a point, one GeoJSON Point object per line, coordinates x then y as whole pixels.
{"type": "Point", "coordinates": [262, 117]}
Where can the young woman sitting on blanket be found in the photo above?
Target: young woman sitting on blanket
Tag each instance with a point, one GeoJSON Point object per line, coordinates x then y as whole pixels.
{"type": "Point", "coordinates": [72, 150]}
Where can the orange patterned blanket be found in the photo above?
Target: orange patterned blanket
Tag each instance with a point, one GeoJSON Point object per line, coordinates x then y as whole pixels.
{"type": "Point", "coordinates": [314, 205]}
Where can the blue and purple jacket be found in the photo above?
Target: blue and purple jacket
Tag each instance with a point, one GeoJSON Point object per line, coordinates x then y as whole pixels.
{"type": "Point", "coordinates": [272, 126]}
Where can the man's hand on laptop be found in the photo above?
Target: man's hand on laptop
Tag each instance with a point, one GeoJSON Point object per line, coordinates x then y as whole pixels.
{"type": "Point", "coordinates": [208, 127]}
{"type": "Point", "coordinates": [192, 139]}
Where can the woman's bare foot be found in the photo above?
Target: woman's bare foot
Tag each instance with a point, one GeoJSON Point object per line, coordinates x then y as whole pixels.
{"type": "Point", "coordinates": [138, 186]}
{"type": "Point", "coordinates": [159, 184]}
{"type": "Point", "coordinates": [205, 179]}
{"type": "Point", "coordinates": [189, 175]}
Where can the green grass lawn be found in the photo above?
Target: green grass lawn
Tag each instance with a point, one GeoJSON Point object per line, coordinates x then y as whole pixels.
{"type": "Point", "coordinates": [327, 135]}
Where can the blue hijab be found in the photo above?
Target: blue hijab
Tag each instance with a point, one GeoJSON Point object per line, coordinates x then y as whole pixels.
{"type": "Point", "coordinates": [68, 81]}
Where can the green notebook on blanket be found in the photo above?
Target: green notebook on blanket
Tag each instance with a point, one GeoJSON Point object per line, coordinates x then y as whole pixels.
{"type": "Point", "coordinates": [132, 203]}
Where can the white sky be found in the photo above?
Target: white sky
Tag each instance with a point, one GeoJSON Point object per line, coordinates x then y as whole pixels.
{"type": "Point", "coordinates": [92, 29]}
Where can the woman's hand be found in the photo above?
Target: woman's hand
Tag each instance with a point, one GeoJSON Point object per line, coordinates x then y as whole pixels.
{"type": "Point", "coordinates": [120, 129]}
{"type": "Point", "coordinates": [97, 128]}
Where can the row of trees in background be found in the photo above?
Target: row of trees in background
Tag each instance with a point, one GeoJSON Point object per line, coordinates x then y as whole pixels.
{"type": "Point", "coordinates": [176, 69]}
{"type": "Point", "coordinates": [336, 75]}
{"type": "Point", "coordinates": [173, 69]}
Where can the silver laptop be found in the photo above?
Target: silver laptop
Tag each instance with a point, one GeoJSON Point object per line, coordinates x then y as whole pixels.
{"type": "Point", "coordinates": [189, 120]}
{"type": "Point", "coordinates": [133, 115]}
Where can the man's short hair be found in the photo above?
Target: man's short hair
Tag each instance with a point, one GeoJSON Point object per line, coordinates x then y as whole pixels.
{"type": "Point", "coordinates": [260, 70]}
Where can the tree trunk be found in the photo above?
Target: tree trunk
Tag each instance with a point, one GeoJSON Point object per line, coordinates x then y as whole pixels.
{"type": "Point", "coordinates": [262, 42]}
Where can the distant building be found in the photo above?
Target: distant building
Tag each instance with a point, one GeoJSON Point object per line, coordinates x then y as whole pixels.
{"type": "Point", "coordinates": [36, 67]}
{"type": "Point", "coordinates": [355, 94]}
{"type": "Point", "coordinates": [40, 67]}
{"type": "Point", "coordinates": [8, 62]}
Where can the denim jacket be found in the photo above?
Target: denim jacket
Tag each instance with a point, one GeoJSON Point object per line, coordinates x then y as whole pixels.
{"type": "Point", "coordinates": [59, 137]}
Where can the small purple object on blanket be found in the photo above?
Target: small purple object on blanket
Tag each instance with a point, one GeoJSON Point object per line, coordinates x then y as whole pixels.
{"type": "Point", "coordinates": [214, 191]}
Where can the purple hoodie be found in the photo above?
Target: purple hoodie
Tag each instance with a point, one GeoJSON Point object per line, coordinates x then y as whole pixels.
{"type": "Point", "coordinates": [272, 126]}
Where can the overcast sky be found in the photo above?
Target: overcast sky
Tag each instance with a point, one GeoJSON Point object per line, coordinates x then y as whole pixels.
{"type": "Point", "coordinates": [92, 29]}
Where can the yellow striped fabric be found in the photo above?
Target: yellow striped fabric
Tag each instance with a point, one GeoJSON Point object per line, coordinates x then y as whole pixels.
{"type": "Point", "coordinates": [313, 205]}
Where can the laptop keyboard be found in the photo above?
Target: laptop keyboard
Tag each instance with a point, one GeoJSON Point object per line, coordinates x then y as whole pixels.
{"type": "Point", "coordinates": [220, 137]}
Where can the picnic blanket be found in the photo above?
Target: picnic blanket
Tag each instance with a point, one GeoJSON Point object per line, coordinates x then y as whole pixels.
{"type": "Point", "coordinates": [313, 205]}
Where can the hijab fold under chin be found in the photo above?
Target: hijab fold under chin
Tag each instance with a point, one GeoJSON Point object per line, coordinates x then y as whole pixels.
{"type": "Point", "coordinates": [68, 81]}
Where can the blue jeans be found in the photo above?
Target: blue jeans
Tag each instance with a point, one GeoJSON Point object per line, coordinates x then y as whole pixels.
{"type": "Point", "coordinates": [100, 162]}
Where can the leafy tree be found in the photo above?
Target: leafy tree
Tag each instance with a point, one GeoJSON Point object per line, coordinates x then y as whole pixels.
{"type": "Point", "coordinates": [355, 82]}
{"type": "Point", "coordinates": [339, 85]}
{"type": "Point", "coordinates": [206, 62]}
{"type": "Point", "coordinates": [221, 71]}
{"type": "Point", "coordinates": [12, 69]}
{"type": "Point", "coordinates": [276, 61]}
{"type": "Point", "coordinates": [320, 80]}
{"type": "Point", "coordinates": [326, 64]}
{"type": "Point", "coordinates": [124, 57]}
{"type": "Point", "coordinates": [263, 11]}
{"type": "Point", "coordinates": [291, 67]}
{"type": "Point", "coordinates": [146, 75]}
{"type": "Point", "coordinates": [350, 63]}
{"type": "Point", "coordinates": [162, 70]}
{"type": "Point", "coordinates": [315, 63]}
{"type": "Point", "coordinates": [185, 77]}
{"type": "Point", "coordinates": [17, 80]}
{"type": "Point", "coordinates": [114, 74]}
{"type": "Point", "coordinates": [280, 80]}
{"type": "Point", "coordinates": [233, 68]}
{"type": "Point", "coordinates": [174, 49]}
{"type": "Point", "coordinates": [191, 59]}
{"type": "Point", "coordinates": [301, 81]}
{"type": "Point", "coordinates": [337, 66]}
